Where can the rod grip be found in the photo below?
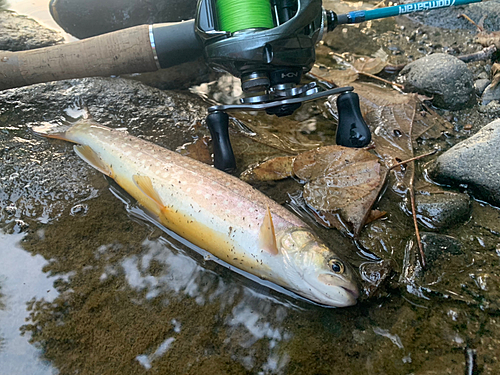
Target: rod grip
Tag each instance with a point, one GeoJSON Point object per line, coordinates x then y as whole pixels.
{"type": "Point", "coordinates": [119, 52]}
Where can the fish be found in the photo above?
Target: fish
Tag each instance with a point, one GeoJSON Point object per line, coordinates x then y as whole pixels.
{"type": "Point", "coordinates": [216, 211]}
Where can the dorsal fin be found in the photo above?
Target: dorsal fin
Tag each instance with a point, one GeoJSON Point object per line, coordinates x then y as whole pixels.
{"type": "Point", "coordinates": [89, 155]}
{"type": "Point", "coordinates": [267, 235]}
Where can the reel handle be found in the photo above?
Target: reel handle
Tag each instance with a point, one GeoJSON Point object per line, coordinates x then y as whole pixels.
{"type": "Point", "coordinates": [218, 124]}
{"type": "Point", "coordinates": [352, 130]}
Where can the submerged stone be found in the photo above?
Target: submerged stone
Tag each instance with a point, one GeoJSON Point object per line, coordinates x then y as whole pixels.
{"type": "Point", "coordinates": [442, 210]}
{"type": "Point", "coordinates": [439, 246]}
{"type": "Point", "coordinates": [443, 77]}
{"type": "Point", "coordinates": [474, 162]}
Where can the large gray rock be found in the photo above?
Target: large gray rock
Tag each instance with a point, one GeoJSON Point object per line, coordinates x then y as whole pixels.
{"type": "Point", "coordinates": [444, 77]}
{"type": "Point", "coordinates": [475, 162]}
{"type": "Point", "coordinates": [19, 33]}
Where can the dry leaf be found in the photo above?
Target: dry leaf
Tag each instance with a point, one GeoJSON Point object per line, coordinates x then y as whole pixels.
{"type": "Point", "coordinates": [197, 150]}
{"type": "Point", "coordinates": [495, 75]}
{"type": "Point", "coordinates": [280, 133]}
{"type": "Point", "coordinates": [341, 183]}
{"type": "Point", "coordinates": [338, 76]}
{"type": "Point", "coordinates": [489, 39]}
{"type": "Point", "coordinates": [391, 117]}
{"type": "Point", "coordinates": [342, 180]}
{"type": "Point", "coordinates": [271, 170]}
{"type": "Point", "coordinates": [370, 65]}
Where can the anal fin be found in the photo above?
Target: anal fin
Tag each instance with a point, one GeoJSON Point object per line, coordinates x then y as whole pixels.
{"type": "Point", "coordinates": [91, 157]}
{"type": "Point", "coordinates": [267, 235]}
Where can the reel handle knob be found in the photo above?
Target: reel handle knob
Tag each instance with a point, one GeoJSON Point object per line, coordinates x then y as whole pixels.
{"type": "Point", "coordinates": [218, 124]}
{"type": "Point", "coordinates": [352, 130]}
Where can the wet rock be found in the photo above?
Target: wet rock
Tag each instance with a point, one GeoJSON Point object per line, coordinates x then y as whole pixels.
{"type": "Point", "coordinates": [442, 210]}
{"type": "Point", "coordinates": [480, 85]}
{"type": "Point", "coordinates": [167, 117]}
{"type": "Point", "coordinates": [448, 18]}
{"type": "Point", "coordinates": [19, 33]}
{"type": "Point", "coordinates": [42, 178]}
{"type": "Point", "coordinates": [177, 77]}
{"type": "Point", "coordinates": [438, 246]}
{"type": "Point", "coordinates": [442, 76]}
{"type": "Point", "coordinates": [475, 162]}
{"type": "Point", "coordinates": [374, 274]}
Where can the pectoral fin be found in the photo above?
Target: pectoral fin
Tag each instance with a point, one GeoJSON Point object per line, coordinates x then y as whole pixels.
{"type": "Point", "coordinates": [89, 155]}
{"type": "Point", "coordinates": [146, 185]}
{"type": "Point", "coordinates": [267, 236]}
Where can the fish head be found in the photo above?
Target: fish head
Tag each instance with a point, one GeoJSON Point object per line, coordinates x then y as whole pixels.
{"type": "Point", "coordinates": [316, 271]}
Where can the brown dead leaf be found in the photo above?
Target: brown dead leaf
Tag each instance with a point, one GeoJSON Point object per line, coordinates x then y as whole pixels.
{"type": "Point", "coordinates": [341, 183]}
{"type": "Point", "coordinates": [197, 150]}
{"type": "Point", "coordinates": [280, 133]}
{"type": "Point", "coordinates": [271, 170]}
{"type": "Point", "coordinates": [341, 180]}
{"type": "Point", "coordinates": [375, 215]}
{"type": "Point", "coordinates": [396, 121]}
{"type": "Point", "coordinates": [370, 65]}
{"type": "Point", "coordinates": [495, 75]}
{"type": "Point", "coordinates": [489, 39]}
{"type": "Point", "coordinates": [340, 77]}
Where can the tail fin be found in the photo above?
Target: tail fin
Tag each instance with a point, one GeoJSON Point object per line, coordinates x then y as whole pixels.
{"type": "Point", "coordinates": [58, 129]}
{"type": "Point", "coordinates": [51, 130]}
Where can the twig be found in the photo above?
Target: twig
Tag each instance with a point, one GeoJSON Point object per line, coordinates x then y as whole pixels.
{"type": "Point", "coordinates": [485, 54]}
{"type": "Point", "coordinates": [381, 79]}
{"type": "Point", "coordinates": [412, 197]}
{"type": "Point", "coordinates": [412, 159]}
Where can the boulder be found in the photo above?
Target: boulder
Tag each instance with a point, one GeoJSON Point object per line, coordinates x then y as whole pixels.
{"type": "Point", "coordinates": [443, 77]}
{"type": "Point", "coordinates": [474, 162]}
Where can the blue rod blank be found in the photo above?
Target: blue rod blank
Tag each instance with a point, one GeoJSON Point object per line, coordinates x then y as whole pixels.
{"type": "Point", "coordinates": [366, 15]}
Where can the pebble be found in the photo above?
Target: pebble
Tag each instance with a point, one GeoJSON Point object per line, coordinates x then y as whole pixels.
{"type": "Point", "coordinates": [480, 85]}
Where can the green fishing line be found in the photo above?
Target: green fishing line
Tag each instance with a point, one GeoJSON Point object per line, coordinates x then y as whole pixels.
{"type": "Point", "coordinates": [236, 15]}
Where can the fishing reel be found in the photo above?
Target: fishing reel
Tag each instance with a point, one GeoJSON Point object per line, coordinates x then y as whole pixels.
{"type": "Point", "coordinates": [269, 45]}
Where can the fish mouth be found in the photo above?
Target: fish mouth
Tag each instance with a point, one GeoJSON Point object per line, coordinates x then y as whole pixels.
{"type": "Point", "coordinates": [354, 292]}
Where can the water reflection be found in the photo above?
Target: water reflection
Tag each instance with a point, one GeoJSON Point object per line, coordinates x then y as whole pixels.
{"type": "Point", "coordinates": [21, 280]}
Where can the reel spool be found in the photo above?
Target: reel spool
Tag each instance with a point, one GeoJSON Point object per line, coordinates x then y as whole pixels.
{"type": "Point", "coordinates": [237, 15]}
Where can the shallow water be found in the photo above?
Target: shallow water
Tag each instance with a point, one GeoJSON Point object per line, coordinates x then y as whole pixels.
{"type": "Point", "coordinates": [88, 285]}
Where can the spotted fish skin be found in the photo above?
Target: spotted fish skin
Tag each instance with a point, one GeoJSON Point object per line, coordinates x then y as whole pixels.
{"type": "Point", "coordinates": [213, 210]}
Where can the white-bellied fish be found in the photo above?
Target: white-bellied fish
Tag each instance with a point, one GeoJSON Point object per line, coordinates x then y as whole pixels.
{"type": "Point", "coordinates": [217, 212]}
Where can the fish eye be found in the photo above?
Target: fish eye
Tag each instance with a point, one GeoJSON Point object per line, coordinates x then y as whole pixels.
{"type": "Point", "coordinates": [336, 266]}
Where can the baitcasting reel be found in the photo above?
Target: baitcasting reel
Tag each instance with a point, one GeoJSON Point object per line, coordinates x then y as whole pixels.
{"type": "Point", "coordinates": [269, 44]}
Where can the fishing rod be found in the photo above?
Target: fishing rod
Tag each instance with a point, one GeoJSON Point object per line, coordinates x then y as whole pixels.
{"type": "Point", "coordinates": [268, 44]}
